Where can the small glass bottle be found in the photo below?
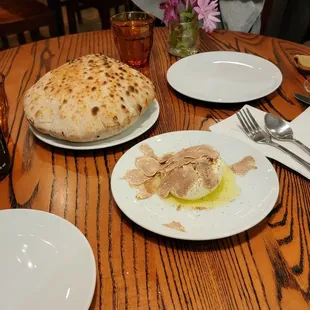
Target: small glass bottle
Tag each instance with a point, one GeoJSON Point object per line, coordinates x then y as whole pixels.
{"type": "Point", "coordinates": [5, 161]}
{"type": "Point", "coordinates": [4, 107]}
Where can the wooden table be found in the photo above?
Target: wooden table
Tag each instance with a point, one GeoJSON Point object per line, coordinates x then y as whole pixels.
{"type": "Point", "coordinates": [266, 267]}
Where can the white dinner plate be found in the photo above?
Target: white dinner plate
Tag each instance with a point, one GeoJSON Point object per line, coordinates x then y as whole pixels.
{"type": "Point", "coordinates": [45, 263]}
{"type": "Point", "coordinates": [259, 190]}
{"type": "Point", "coordinates": [228, 77]}
{"type": "Point", "coordinates": [143, 124]}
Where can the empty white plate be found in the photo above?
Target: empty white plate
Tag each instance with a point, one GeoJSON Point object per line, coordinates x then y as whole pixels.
{"type": "Point", "coordinates": [259, 190]}
{"type": "Point", "coordinates": [143, 124]}
{"type": "Point", "coordinates": [228, 77]}
{"type": "Point", "coordinates": [45, 263]}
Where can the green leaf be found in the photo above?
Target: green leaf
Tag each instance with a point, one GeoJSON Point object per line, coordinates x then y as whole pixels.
{"type": "Point", "coordinates": [187, 14]}
{"type": "Point", "coordinates": [186, 17]}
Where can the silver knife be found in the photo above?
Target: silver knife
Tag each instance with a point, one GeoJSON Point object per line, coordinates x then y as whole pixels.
{"type": "Point", "coordinates": [302, 98]}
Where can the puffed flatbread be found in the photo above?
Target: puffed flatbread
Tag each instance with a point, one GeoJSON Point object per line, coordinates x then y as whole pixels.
{"type": "Point", "coordinates": [91, 98]}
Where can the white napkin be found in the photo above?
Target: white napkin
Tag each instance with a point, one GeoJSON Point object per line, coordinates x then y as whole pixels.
{"type": "Point", "coordinates": [241, 15]}
{"type": "Point", "coordinates": [150, 6]}
{"type": "Point", "coordinates": [300, 125]}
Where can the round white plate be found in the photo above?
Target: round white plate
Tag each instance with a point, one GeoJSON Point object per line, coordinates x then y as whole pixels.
{"type": "Point", "coordinates": [259, 190]}
{"type": "Point", "coordinates": [143, 124]}
{"type": "Point", "coordinates": [45, 263]}
{"type": "Point", "coordinates": [228, 77]}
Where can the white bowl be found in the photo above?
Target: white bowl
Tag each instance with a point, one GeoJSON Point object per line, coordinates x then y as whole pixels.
{"type": "Point", "coordinates": [45, 263]}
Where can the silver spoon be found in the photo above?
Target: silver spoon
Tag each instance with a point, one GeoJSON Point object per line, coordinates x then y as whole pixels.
{"type": "Point", "coordinates": [281, 130]}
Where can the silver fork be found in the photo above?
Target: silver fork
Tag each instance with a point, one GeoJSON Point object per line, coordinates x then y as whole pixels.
{"type": "Point", "coordinates": [258, 135]}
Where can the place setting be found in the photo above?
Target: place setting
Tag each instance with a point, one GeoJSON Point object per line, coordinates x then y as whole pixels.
{"type": "Point", "coordinates": [243, 77]}
{"type": "Point", "coordinates": [47, 263]}
{"type": "Point", "coordinates": [183, 183]}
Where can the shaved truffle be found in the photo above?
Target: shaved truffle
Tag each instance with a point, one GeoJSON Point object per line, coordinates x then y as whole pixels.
{"type": "Point", "coordinates": [175, 225]}
{"type": "Point", "coordinates": [183, 180]}
{"type": "Point", "coordinates": [147, 151]}
{"type": "Point", "coordinates": [135, 177]}
{"type": "Point", "coordinates": [204, 169]}
{"type": "Point", "coordinates": [176, 164]}
{"type": "Point", "coordinates": [148, 165]}
{"type": "Point", "coordinates": [243, 166]}
{"type": "Point", "coordinates": [176, 173]}
{"type": "Point", "coordinates": [149, 188]}
{"type": "Point", "coordinates": [163, 159]}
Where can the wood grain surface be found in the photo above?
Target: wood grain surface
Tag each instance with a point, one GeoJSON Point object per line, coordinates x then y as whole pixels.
{"type": "Point", "coordinates": [266, 267]}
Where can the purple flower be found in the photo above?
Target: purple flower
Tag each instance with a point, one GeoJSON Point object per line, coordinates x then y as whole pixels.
{"type": "Point", "coordinates": [207, 10]}
{"type": "Point", "coordinates": [170, 8]}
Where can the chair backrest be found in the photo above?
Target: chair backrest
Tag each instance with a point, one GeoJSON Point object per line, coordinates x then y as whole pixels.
{"type": "Point", "coordinates": [107, 8]}
{"type": "Point", "coordinates": [266, 14]}
{"type": "Point", "coordinates": [307, 36]}
{"type": "Point", "coordinates": [18, 16]}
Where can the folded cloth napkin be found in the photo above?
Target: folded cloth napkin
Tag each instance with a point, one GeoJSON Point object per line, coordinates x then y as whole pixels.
{"type": "Point", "coordinates": [302, 62]}
{"type": "Point", "coordinates": [300, 125]}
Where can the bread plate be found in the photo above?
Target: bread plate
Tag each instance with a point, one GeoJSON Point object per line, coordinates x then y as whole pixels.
{"type": "Point", "coordinates": [143, 124]}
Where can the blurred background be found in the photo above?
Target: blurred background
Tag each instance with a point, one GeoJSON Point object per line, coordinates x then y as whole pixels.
{"type": "Point", "coordinates": [23, 21]}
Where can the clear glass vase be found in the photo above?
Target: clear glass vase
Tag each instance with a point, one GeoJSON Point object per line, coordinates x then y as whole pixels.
{"type": "Point", "coordinates": [183, 38]}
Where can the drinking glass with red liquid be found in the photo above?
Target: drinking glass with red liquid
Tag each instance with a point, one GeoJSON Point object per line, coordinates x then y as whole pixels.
{"type": "Point", "coordinates": [133, 36]}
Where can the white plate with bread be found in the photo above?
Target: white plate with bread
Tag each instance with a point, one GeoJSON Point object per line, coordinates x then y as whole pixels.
{"type": "Point", "coordinates": [91, 102]}
{"type": "Point", "coordinates": [143, 124]}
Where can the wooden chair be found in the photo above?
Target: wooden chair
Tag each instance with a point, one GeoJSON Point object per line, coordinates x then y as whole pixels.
{"type": "Point", "coordinates": [80, 5]}
{"type": "Point", "coordinates": [265, 15]}
{"type": "Point", "coordinates": [72, 8]}
{"type": "Point", "coordinates": [18, 16]}
{"type": "Point", "coordinates": [307, 36]}
{"type": "Point", "coordinates": [104, 7]}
